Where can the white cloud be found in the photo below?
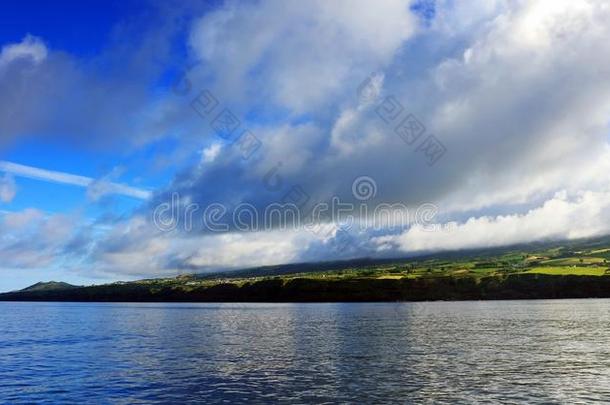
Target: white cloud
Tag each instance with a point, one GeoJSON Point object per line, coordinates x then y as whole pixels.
{"type": "Point", "coordinates": [209, 154]}
{"type": "Point", "coordinates": [31, 48]}
{"type": "Point", "coordinates": [83, 99]}
{"type": "Point", "coordinates": [8, 189]}
{"type": "Point", "coordinates": [586, 214]}
{"type": "Point", "coordinates": [518, 91]}
{"type": "Point", "coordinates": [528, 99]}
{"type": "Point", "coordinates": [137, 248]}
{"type": "Point", "coordinates": [247, 249]}
{"type": "Point", "coordinates": [97, 187]}
{"type": "Point", "coordinates": [299, 55]}
{"type": "Point", "coordinates": [33, 239]}
{"type": "Point", "coordinates": [524, 95]}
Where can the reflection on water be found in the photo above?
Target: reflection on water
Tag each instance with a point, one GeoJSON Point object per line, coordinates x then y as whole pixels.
{"type": "Point", "coordinates": [444, 352]}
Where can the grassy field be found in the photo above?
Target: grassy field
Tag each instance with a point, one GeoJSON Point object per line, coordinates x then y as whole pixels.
{"type": "Point", "coordinates": [562, 260]}
{"type": "Point", "coordinates": [569, 270]}
{"type": "Point", "coordinates": [574, 261]}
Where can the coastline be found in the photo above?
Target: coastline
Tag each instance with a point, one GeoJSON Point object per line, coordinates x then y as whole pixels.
{"type": "Point", "coordinates": [297, 290]}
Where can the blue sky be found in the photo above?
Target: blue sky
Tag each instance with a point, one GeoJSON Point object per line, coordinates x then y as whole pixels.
{"type": "Point", "coordinates": [79, 28]}
{"type": "Point", "coordinates": [102, 125]}
{"type": "Point", "coordinates": [83, 31]}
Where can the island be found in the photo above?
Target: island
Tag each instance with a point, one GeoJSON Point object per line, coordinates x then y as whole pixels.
{"type": "Point", "coordinates": [578, 269]}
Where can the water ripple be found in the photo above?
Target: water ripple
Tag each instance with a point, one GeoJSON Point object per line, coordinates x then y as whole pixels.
{"type": "Point", "coordinates": [466, 352]}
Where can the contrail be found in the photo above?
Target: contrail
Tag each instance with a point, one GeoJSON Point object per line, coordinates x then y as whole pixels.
{"type": "Point", "coordinates": [72, 179]}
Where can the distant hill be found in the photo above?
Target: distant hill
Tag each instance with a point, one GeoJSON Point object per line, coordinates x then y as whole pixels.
{"type": "Point", "coordinates": [367, 262]}
{"type": "Point", "coordinates": [49, 286]}
{"type": "Point", "coordinates": [294, 268]}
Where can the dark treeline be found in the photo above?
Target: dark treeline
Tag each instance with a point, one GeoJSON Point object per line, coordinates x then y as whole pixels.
{"type": "Point", "coordinates": [517, 286]}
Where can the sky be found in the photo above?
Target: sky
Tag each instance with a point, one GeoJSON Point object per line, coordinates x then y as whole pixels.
{"type": "Point", "coordinates": [150, 139]}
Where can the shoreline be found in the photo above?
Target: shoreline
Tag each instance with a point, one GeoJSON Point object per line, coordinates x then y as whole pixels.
{"type": "Point", "coordinates": [303, 302]}
{"type": "Point", "coordinates": [308, 290]}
